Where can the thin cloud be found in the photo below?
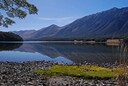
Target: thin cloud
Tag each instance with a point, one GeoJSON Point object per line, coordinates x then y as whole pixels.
{"type": "Point", "coordinates": [60, 20]}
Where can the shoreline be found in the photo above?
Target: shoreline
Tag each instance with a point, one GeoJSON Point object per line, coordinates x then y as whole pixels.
{"type": "Point", "coordinates": [56, 41]}
{"type": "Point", "coordinates": [13, 73]}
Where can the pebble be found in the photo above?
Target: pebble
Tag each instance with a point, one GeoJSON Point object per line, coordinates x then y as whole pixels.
{"type": "Point", "coordinates": [20, 74]}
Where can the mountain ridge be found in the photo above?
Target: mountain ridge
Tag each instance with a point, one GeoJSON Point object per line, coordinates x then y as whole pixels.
{"type": "Point", "coordinates": [112, 23]}
{"type": "Point", "coordinates": [37, 34]}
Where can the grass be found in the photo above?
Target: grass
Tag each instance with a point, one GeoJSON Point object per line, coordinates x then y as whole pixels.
{"type": "Point", "coordinates": [88, 72]}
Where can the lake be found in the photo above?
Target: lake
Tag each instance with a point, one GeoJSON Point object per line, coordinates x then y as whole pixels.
{"type": "Point", "coordinates": [60, 52]}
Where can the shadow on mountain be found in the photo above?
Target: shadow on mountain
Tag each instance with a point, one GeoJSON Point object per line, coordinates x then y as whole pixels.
{"type": "Point", "coordinates": [78, 53]}
{"type": "Point", "coordinates": [9, 46]}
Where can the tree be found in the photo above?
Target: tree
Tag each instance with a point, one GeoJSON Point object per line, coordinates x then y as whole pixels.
{"type": "Point", "coordinates": [15, 8]}
{"type": "Point", "coordinates": [9, 36]}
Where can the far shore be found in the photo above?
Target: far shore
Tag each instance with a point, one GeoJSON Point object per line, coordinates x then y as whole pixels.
{"type": "Point", "coordinates": [75, 41]}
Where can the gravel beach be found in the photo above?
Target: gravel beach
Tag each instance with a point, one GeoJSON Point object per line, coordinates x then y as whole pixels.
{"type": "Point", "coordinates": [20, 74]}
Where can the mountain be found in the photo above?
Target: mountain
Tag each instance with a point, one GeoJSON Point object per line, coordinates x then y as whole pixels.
{"type": "Point", "coordinates": [26, 34]}
{"type": "Point", "coordinates": [111, 23]}
{"type": "Point", "coordinates": [38, 34]}
{"type": "Point", "coordinates": [9, 36]}
{"type": "Point", "coordinates": [106, 24]}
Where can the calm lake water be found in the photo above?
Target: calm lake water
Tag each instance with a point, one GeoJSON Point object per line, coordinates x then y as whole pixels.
{"type": "Point", "coordinates": [59, 52]}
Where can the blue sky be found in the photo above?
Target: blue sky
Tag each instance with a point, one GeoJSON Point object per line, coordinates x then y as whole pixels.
{"type": "Point", "coordinates": [62, 12]}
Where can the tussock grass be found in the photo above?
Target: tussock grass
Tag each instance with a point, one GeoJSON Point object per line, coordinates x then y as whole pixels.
{"type": "Point", "coordinates": [87, 71]}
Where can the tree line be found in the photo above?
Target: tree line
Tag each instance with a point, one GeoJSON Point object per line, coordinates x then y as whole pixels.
{"type": "Point", "coordinates": [9, 36]}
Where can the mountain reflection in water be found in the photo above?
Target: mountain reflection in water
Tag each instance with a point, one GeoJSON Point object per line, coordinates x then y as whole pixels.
{"type": "Point", "coordinates": [68, 53]}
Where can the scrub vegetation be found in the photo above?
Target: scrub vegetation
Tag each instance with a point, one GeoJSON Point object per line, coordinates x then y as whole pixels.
{"type": "Point", "coordinates": [87, 71]}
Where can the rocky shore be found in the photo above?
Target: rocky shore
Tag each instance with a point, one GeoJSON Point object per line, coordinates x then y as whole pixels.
{"type": "Point", "coordinates": [21, 74]}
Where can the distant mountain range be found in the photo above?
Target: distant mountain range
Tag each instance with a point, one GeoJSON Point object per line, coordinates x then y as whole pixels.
{"type": "Point", "coordinates": [46, 32]}
{"type": "Point", "coordinates": [112, 23]}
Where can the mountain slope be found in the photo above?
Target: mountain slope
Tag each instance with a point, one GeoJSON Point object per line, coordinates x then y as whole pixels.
{"type": "Point", "coordinates": [47, 32]}
{"type": "Point", "coordinates": [26, 34]}
{"type": "Point", "coordinates": [44, 32]}
{"type": "Point", "coordinates": [112, 23]}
